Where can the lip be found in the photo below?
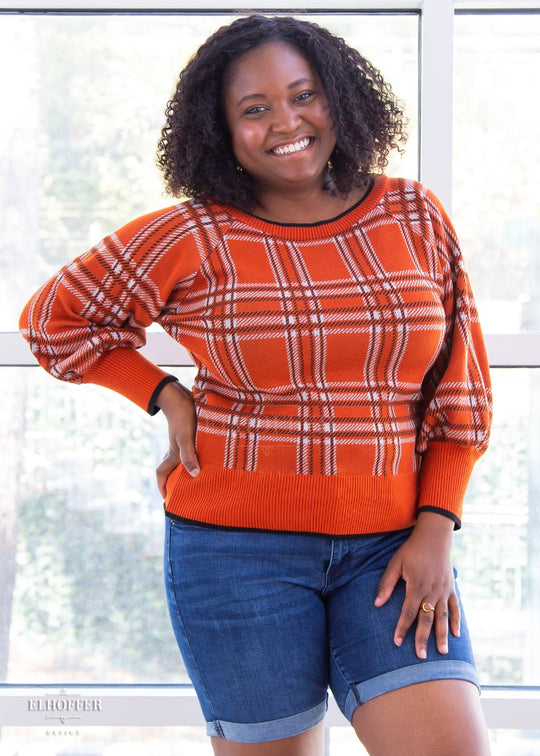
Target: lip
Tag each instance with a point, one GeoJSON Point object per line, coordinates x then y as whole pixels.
{"type": "Point", "coordinates": [291, 143]}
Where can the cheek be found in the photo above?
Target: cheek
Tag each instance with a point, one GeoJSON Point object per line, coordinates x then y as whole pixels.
{"type": "Point", "coordinates": [323, 122]}
{"type": "Point", "coordinates": [245, 144]}
{"type": "Point", "coordinates": [327, 121]}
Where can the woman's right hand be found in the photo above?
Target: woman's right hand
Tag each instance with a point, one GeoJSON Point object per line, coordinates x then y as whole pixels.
{"type": "Point", "coordinates": [177, 404]}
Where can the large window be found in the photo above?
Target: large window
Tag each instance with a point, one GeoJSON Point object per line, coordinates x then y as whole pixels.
{"type": "Point", "coordinates": [87, 101]}
{"type": "Point", "coordinates": [81, 520]}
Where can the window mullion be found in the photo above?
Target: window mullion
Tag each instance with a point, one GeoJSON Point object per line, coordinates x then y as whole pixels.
{"type": "Point", "coordinates": [436, 55]}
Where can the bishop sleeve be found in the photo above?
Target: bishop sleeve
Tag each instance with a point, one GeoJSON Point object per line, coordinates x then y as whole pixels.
{"type": "Point", "coordinates": [457, 399]}
{"type": "Point", "coordinates": [86, 324]}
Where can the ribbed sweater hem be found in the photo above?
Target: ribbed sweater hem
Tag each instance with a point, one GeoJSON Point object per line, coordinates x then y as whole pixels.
{"type": "Point", "coordinates": [344, 505]}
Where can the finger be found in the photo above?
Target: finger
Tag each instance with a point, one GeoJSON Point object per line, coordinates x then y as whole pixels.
{"type": "Point", "coordinates": [188, 457]}
{"type": "Point", "coordinates": [441, 628]}
{"type": "Point", "coordinates": [409, 614]}
{"type": "Point", "coordinates": [162, 485]}
{"type": "Point", "coordinates": [425, 620]}
{"type": "Point", "coordinates": [387, 583]}
{"type": "Point", "coordinates": [164, 469]}
{"type": "Point", "coordinates": [455, 615]}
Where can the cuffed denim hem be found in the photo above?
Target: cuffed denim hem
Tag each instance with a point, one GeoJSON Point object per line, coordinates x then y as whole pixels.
{"type": "Point", "coordinates": [275, 729]}
{"type": "Point", "coordinates": [451, 669]}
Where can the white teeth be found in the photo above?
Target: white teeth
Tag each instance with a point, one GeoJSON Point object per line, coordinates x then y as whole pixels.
{"type": "Point", "coordinates": [290, 148]}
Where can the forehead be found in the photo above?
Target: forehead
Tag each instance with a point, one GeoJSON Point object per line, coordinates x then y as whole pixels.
{"type": "Point", "coordinates": [270, 64]}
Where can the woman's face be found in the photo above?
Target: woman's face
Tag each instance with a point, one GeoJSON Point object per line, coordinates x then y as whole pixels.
{"type": "Point", "coordinates": [277, 114]}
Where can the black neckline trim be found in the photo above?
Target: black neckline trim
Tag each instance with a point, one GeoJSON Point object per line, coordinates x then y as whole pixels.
{"type": "Point", "coordinates": [322, 222]}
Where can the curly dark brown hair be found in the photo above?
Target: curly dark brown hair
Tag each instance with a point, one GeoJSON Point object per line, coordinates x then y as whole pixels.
{"type": "Point", "coordinates": [195, 153]}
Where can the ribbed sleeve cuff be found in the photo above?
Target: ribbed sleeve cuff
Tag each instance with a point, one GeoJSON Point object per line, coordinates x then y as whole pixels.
{"type": "Point", "coordinates": [129, 373]}
{"type": "Point", "coordinates": [444, 476]}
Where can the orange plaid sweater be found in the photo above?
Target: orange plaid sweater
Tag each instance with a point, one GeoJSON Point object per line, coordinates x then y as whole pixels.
{"type": "Point", "coordinates": [342, 379]}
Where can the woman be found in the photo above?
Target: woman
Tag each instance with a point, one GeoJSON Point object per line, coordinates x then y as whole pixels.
{"type": "Point", "coordinates": [316, 472]}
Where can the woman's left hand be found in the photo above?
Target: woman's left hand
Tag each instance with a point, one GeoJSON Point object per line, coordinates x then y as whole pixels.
{"type": "Point", "coordinates": [424, 563]}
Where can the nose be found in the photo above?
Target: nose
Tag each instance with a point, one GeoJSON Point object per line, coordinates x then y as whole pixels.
{"type": "Point", "coordinates": [285, 118]}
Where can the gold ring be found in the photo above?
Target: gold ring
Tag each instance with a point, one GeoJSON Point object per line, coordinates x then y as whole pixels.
{"type": "Point", "coordinates": [427, 607]}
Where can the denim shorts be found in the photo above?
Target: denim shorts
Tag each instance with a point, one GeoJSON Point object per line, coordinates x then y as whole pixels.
{"type": "Point", "coordinates": [267, 622]}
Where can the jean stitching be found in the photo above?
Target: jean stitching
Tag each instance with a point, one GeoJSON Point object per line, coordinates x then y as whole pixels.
{"type": "Point", "coordinates": [219, 728]}
{"type": "Point", "coordinates": [328, 569]}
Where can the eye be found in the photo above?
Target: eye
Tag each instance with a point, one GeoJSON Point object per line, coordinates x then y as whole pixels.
{"type": "Point", "coordinates": [304, 96]}
{"type": "Point", "coordinates": [255, 110]}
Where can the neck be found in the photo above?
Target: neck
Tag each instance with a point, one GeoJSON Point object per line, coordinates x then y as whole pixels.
{"type": "Point", "coordinates": [309, 207]}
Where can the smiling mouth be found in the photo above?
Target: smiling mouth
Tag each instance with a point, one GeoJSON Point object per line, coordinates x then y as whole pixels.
{"type": "Point", "coordinates": [289, 149]}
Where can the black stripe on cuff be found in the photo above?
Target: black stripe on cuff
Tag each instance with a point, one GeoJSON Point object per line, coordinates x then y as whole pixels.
{"type": "Point", "coordinates": [153, 409]}
{"type": "Point", "coordinates": [445, 513]}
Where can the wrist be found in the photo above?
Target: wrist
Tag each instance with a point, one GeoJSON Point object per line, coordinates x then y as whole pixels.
{"type": "Point", "coordinates": [170, 395]}
{"type": "Point", "coordinates": [434, 525]}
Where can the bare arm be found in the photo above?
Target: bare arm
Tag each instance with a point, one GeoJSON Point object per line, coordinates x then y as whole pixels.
{"type": "Point", "coordinates": [176, 402]}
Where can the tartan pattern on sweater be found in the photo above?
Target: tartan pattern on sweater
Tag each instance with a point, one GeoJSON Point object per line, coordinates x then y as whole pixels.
{"type": "Point", "coordinates": [341, 348]}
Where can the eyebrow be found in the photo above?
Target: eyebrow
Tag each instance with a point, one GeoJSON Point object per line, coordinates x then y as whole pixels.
{"type": "Point", "coordinates": [259, 95]}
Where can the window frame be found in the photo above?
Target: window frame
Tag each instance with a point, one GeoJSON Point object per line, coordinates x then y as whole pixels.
{"type": "Point", "coordinates": [508, 707]}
